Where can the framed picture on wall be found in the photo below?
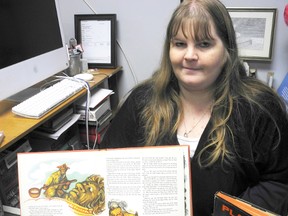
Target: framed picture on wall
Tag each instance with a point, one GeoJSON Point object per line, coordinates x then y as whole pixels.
{"type": "Point", "coordinates": [254, 29]}
{"type": "Point", "coordinates": [97, 35]}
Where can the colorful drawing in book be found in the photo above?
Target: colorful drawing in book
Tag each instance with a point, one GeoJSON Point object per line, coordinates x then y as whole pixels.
{"type": "Point", "coordinates": [86, 198]}
{"type": "Point", "coordinates": [119, 209]}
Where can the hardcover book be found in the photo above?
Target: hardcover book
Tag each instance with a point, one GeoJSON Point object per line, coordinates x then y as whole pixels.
{"type": "Point", "coordinates": [225, 204]}
{"type": "Point", "coordinates": [128, 181]}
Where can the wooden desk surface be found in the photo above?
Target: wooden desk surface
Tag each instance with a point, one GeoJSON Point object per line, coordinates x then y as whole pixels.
{"type": "Point", "coordinates": [16, 127]}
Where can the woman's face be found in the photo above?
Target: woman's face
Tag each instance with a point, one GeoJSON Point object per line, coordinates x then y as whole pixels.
{"type": "Point", "coordinates": [197, 64]}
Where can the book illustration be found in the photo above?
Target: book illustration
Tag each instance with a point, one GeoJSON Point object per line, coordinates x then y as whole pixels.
{"type": "Point", "coordinates": [86, 198]}
{"type": "Point", "coordinates": [118, 208]}
{"type": "Point", "coordinates": [55, 185]}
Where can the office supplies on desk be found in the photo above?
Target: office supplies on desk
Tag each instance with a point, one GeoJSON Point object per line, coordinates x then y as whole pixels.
{"type": "Point", "coordinates": [97, 96]}
{"type": "Point", "coordinates": [66, 138]}
{"type": "Point", "coordinates": [58, 121]}
{"type": "Point", "coordinates": [99, 104]}
{"type": "Point", "coordinates": [97, 112]}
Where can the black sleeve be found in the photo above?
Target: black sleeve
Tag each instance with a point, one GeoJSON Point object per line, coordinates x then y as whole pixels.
{"type": "Point", "coordinates": [271, 160]}
{"type": "Point", "coordinates": [125, 129]}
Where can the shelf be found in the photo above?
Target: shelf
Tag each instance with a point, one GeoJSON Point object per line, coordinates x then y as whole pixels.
{"type": "Point", "coordinates": [16, 127]}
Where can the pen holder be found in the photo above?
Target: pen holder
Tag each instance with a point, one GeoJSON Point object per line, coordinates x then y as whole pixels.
{"type": "Point", "coordinates": [74, 65]}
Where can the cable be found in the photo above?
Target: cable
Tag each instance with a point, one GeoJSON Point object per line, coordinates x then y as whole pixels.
{"type": "Point", "coordinates": [133, 75]}
{"type": "Point", "coordinates": [90, 6]}
{"type": "Point", "coordinates": [87, 110]}
{"type": "Point", "coordinates": [129, 65]}
{"type": "Point", "coordinates": [96, 134]}
{"type": "Point", "coordinates": [88, 98]}
{"type": "Point", "coordinates": [121, 48]}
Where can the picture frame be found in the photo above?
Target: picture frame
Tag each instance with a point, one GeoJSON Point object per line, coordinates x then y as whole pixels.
{"type": "Point", "coordinates": [255, 29]}
{"type": "Point", "coordinates": [96, 33]}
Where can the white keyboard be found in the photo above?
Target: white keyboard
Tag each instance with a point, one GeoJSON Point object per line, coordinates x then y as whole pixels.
{"type": "Point", "coordinates": [44, 101]}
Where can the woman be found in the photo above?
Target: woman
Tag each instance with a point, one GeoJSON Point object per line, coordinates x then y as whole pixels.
{"type": "Point", "coordinates": [235, 125]}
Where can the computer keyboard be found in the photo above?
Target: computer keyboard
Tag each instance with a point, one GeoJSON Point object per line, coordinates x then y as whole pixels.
{"type": "Point", "coordinates": [44, 101]}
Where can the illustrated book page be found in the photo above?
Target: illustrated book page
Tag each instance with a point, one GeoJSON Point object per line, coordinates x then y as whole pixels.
{"type": "Point", "coordinates": [144, 181]}
{"type": "Point", "coordinates": [225, 204]}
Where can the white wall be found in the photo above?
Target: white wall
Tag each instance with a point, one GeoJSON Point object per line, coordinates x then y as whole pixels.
{"type": "Point", "coordinates": [141, 26]}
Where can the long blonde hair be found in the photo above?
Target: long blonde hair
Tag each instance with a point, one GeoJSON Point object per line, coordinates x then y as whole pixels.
{"type": "Point", "coordinates": [231, 85]}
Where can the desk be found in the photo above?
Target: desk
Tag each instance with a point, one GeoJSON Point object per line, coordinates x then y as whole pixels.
{"type": "Point", "coordinates": [16, 127]}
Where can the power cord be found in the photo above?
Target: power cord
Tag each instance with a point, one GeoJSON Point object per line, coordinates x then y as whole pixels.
{"type": "Point", "coordinates": [120, 46]}
{"type": "Point", "coordinates": [87, 109]}
{"type": "Point", "coordinates": [88, 99]}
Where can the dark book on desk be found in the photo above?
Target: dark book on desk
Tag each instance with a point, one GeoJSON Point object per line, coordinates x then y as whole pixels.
{"type": "Point", "coordinates": [127, 181]}
{"type": "Point", "coordinates": [227, 205]}
{"type": "Point", "coordinates": [58, 121]}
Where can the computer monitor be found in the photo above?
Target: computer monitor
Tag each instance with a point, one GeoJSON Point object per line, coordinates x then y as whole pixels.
{"type": "Point", "coordinates": [32, 46]}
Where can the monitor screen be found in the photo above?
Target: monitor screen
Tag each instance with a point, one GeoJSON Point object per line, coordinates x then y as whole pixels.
{"type": "Point", "coordinates": [32, 46]}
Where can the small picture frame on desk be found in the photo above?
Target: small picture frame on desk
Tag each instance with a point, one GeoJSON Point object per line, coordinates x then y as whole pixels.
{"type": "Point", "coordinates": [97, 35]}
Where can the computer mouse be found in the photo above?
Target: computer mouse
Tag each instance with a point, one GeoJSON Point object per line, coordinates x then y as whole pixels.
{"type": "Point", "coordinates": [84, 76]}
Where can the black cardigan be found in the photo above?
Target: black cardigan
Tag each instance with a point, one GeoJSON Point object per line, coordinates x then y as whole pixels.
{"type": "Point", "coordinates": [259, 173]}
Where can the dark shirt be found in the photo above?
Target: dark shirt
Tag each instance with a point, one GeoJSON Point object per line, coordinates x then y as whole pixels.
{"type": "Point", "coordinates": [259, 173]}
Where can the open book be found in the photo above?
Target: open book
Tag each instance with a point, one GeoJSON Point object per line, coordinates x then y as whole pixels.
{"type": "Point", "coordinates": [131, 182]}
{"type": "Point", "coordinates": [225, 204]}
